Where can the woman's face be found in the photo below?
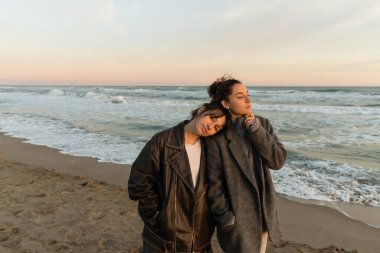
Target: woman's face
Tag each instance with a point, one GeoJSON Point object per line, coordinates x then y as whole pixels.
{"type": "Point", "coordinates": [207, 125]}
{"type": "Point", "coordinates": [239, 102]}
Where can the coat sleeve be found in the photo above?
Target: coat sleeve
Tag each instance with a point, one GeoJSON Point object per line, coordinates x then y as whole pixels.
{"type": "Point", "coordinates": [267, 144]}
{"type": "Point", "coordinates": [217, 186]}
{"type": "Point", "coordinates": [142, 183]}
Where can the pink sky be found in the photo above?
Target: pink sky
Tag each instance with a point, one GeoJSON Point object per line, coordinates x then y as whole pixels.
{"type": "Point", "coordinates": [104, 42]}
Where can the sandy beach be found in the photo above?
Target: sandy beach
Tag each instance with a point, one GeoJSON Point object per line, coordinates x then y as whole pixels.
{"type": "Point", "coordinates": [53, 202]}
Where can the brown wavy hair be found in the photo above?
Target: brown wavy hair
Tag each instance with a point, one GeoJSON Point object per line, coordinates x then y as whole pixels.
{"type": "Point", "coordinates": [221, 88]}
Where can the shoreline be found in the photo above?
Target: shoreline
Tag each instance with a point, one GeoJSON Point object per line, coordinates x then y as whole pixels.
{"type": "Point", "coordinates": [44, 156]}
{"type": "Point", "coordinates": [368, 215]}
{"type": "Point", "coordinates": [365, 214]}
{"type": "Point", "coordinates": [339, 158]}
{"type": "Point", "coordinates": [310, 223]}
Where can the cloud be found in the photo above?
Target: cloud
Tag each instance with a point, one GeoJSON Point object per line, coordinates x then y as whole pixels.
{"type": "Point", "coordinates": [107, 10]}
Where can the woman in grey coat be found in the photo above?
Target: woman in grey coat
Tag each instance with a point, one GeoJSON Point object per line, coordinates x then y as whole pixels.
{"type": "Point", "coordinates": [240, 188]}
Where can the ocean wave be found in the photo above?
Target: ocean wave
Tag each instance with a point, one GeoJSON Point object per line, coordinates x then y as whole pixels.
{"type": "Point", "coordinates": [270, 91]}
{"type": "Point", "coordinates": [152, 127]}
{"type": "Point", "coordinates": [98, 95]}
{"type": "Point", "coordinates": [118, 100]}
{"type": "Point", "coordinates": [56, 92]}
{"type": "Point", "coordinates": [371, 105]}
{"type": "Point", "coordinates": [321, 109]}
{"type": "Point", "coordinates": [319, 179]}
{"type": "Point", "coordinates": [103, 146]}
{"type": "Point", "coordinates": [171, 96]}
{"type": "Point", "coordinates": [329, 90]}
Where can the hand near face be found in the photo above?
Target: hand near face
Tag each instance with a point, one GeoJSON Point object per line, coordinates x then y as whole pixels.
{"type": "Point", "coordinates": [249, 119]}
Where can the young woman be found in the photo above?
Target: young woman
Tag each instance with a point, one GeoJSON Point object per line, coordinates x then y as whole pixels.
{"type": "Point", "coordinates": [240, 189]}
{"type": "Point", "coordinates": [168, 178]}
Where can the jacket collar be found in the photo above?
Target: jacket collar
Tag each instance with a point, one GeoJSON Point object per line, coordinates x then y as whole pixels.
{"type": "Point", "coordinates": [231, 133]}
{"type": "Point", "coordinates": [179, 161]}
{"type": "Point", "coordinates": [176, 136]}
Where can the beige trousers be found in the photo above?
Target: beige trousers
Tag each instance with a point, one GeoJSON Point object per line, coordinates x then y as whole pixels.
{"type": "Point", "coordinates": [264, 240]}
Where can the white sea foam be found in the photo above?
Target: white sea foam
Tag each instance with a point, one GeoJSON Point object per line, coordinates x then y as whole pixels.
{"type": "Point", "coordinates": [56, 92]}
{"type": "Point", "coordinates": [118, 100]}
{"type": "Point", "coordinates": [49, 132]}
{"type": "Point", "coordinates": [321, 109]}
{"type": "Point", "coordinates": [328, 181]}
{"type": "Point", "coordinates": [98, 95]}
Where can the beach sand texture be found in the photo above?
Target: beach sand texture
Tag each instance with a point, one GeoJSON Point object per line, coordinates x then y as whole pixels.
{"type": "Point", "coordinates": [45, 209]}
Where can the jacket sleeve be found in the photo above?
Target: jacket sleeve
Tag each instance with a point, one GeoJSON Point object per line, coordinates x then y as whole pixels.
{"type": "Point", "coordinates": [267, 144]}
{"type": "Point", "coordinates": [142, 183]}
{"type": "Point", "coordinates": [217, 186]}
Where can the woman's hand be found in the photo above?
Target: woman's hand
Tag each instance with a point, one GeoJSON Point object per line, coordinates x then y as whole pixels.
{"type": "Point", "coordinates": [249, 119]}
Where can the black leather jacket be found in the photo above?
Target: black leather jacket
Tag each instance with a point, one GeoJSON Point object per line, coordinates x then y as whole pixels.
{"type": "Point", "coordinates": [177, 217]}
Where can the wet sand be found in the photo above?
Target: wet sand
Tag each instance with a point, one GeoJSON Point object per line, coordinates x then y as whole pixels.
{"type": "Point", "coordinates": [61, 203]}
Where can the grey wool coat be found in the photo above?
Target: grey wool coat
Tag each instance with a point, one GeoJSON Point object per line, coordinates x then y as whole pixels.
{"type": "Point", "coordinates": [241, 210]}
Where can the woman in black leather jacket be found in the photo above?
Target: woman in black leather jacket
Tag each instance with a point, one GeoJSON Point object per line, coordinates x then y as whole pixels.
{"type": "Point", "coordinates": [168, 178]}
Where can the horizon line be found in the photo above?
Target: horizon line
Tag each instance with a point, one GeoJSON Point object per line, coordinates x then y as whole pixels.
{"type": "Point", "coordinates": [190, 85]}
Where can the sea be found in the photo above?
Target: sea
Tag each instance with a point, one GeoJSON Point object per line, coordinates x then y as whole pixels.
{"type": "Point", "coordinates": [332, 134]}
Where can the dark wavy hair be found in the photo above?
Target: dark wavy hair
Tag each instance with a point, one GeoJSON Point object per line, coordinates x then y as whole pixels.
{"type": "Point", "coordinates": [221, 88]}
{"type": "Point", "coordinates": [215, 110]}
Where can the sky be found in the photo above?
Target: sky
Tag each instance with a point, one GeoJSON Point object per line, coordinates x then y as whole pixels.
{"type": "Point", "coordinates": [142, 42]}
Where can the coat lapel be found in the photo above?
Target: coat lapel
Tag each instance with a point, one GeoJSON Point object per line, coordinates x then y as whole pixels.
{"type": "Point", "coordinates": [239, 156]}
{"type": "Point", "coordinates": [180, 165]}
{"type": "Point", "coordinates": [201, 184]}
{"type": "Point", "coordinates": [178, 158]}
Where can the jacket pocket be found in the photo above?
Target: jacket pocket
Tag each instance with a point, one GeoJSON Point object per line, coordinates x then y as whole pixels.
{"type": "Point", "coordinates": [154, 241]}
{"type": "Point", "coordinates": [230, 225]}
{"type": "Point", "coordinates": [228, 237]}
{"type": "Point", "coordinates": [227, 221]}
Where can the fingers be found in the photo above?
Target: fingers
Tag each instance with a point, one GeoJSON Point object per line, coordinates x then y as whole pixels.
{"type": "Point", "coordinates": [248, 121]}
{"type": "Point", "coordinates": [251, 116]}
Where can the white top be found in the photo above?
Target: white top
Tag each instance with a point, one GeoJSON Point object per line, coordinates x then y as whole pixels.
{"type": "Point", "coordinates": [194, 155]}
